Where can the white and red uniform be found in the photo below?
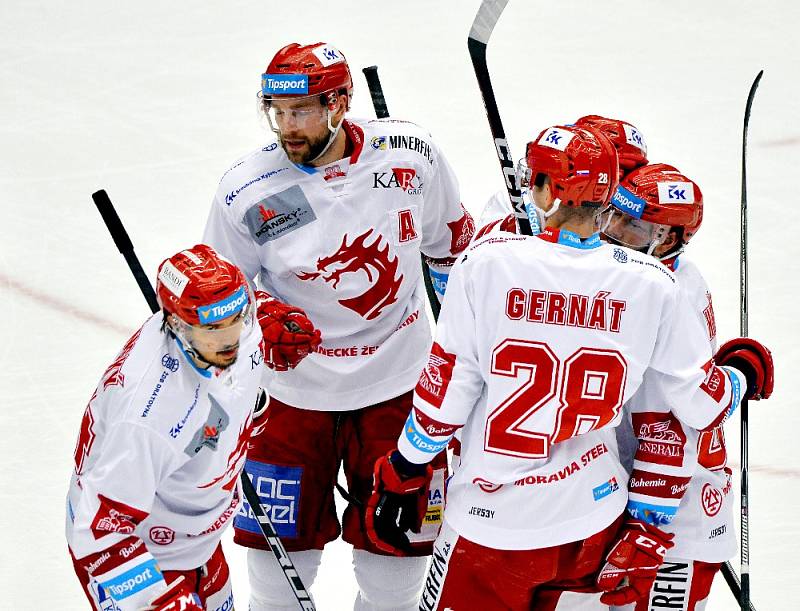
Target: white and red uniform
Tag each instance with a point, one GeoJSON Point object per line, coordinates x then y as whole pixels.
{"type": "Point", "coordinates": [680, 479]}
{"type": "Point", "coordinates": [157, 462]}
{"type": "Point", "coordinates": [539, 344]}
{"type": "Point", "coordinates": [342, 242]}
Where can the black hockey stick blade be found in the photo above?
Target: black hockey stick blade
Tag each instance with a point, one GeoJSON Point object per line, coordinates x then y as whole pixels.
{"type": "Point", "coordinates": [125, 246]}
{"type": "Point", "coordinates": [732, 579]}
{"type": "Point", "coordinates": [376, 91]}
{"type": "Point", "coordinates": [483, 25]}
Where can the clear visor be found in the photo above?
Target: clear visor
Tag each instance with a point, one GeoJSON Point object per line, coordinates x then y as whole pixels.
{"type": "Point", "coordinates": [222, 336]}
{"type": "Point", "coordinates": [630, 231]}
{"type": "Point", "coordinates": [291, 114]}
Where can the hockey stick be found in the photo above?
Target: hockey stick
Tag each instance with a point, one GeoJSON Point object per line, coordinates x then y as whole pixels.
{"type": "Point", "coordinates": [125, 246]}
{"type": "Point", "coordinates": [382, 112]}
{"type": "Point", "coordinates": [485, 20]}
{"type": "Point", "coordinates": [744, 598]}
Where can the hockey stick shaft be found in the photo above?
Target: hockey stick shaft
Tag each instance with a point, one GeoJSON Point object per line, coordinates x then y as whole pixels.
{"type": "Point", "coordinates": [744, 599]}
{"type": "Point", "coordinates": [483, 25]}
{"type": "Point", "coordinates": [125, 246]}
{"type": "Point", "coordinates": [382, 112]}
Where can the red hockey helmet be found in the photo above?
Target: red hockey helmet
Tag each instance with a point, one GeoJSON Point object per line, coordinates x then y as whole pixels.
{"type": "Point", "coordinates": [305, 70]}
{"type": "Point", "coordinates": [669, 197]}
{"type": "Point", "coordinates": [200, 287]}
{"type": "Point", "coordinates": [626, 138]}
{"type": "Point", "coordinates": [580, 162]}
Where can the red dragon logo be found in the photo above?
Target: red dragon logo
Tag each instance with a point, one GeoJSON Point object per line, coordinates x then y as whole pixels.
{"type": "Point", "coordinates": [374, 261]}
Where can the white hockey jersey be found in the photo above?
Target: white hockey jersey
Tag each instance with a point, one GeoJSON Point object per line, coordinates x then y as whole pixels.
{"type": "Point", "coordinates": [540, 342]}
{"type": "Point", "coordinates": [343, 242]}
{"type": "Point", "coordinates": [702, 516]}
{"type": "Point", "coordinates": [160, 449]}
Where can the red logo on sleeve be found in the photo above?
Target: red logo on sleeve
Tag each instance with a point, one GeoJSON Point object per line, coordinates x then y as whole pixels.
{"type": "Point", "coordinates": [435, 378]}
{"type": "Point", "coordinates": [432, 427]}
{"type": "Point", "coordinates": [708, 314]}
{"type": "Point", "coordinates": [714, 384]}
{"type": "Point", "coordinates": [115, 517]}
{"type": "Point", "coordinates": [113, 376]}
{"type": "Point", "coordinates": [661, 438]}
{"type": "Point", "coordinates": [461, 232]}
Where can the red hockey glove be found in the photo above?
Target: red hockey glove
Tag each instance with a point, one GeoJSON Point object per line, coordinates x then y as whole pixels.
{"type": "Point", "coordinates": [178, 597]}
{"type": "Point", "coordinates": [398, 503]}
{"type": "Point", "coordinates": [754, 360]}
{"type": "Point", "coordinates": [631, 565]}
{"type": "Point", "coordinates": [289, 336]}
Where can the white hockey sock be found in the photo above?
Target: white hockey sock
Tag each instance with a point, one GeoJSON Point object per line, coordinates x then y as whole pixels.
{"type": "Point", "coordinates": [269, 590]}
{"type": "Point", "coordinates": [387, 582]}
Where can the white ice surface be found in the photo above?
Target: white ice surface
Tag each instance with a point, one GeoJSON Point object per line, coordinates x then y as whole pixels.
{"type": "Point", "coordinates": [153, 100]}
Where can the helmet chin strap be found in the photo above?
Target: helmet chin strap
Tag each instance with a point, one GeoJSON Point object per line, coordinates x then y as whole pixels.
{"type": "Point", "coordinates": [553, 208]}
{"type": "Point", "coordinates": [334, 131]}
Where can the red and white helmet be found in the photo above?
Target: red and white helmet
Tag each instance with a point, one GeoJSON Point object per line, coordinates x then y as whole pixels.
{"type": "Point", "coordinates": [306, 70]}
{"type": "Point", "coordinates": [580, 162]}
{"type": "Point", "coordinates": [626, 138]}
{"type": "Point", "coordinates": [200, 287]}
{"type": "Point", "coordinates": [655, 199]}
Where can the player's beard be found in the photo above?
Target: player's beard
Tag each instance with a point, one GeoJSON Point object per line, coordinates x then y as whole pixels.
{"type": "Point", "coordinates": [221, 362]}
{"type": "Point", "coordinates": [312, 149]}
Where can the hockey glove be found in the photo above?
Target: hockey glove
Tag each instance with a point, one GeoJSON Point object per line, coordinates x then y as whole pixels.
{"type": "Point", "coordinates": [289, 336]}
{"type": "Point", "coordinates": [754, 360]}
{"type": "Point", "coordinates": [178, 597]}
{"type": "Point", "coordinates": [398, 503]}
{"type": "Point", "coordinates": [631, 565]}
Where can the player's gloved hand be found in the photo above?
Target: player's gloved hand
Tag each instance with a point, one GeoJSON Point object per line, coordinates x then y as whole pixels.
{"type": "Point", "coordinates": [178, 597]}
{"type": "Point", "coordinates": [398, 503]}
{"type": "Point", "coordinates": [631, 565]}
{"type": "Point", "coordinates": [289, 336]}
{"type": "Point", "coordinates": [754, 360]}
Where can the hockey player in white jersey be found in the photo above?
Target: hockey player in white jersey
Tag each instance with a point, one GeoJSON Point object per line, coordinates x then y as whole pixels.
{"type": "Point", "coordinates": [162, 443]}
{"type": "Point", "coordinates": [540, 342]}
{"type": "Point", "coordinates": [680, 480]}
{"type": "Point", "coordinates": [331, 217]}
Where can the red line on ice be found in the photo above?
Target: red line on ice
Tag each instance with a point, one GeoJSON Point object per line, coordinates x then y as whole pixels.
{"type": "Point", "coordinates": [63, 307]}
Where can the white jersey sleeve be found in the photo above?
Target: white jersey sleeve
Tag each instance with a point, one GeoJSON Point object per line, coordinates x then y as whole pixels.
{"type": "Point", "coordinates": [451, 382]}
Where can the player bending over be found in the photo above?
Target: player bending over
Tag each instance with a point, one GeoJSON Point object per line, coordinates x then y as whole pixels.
{"type": "Point", "coordinates": [162, 443]}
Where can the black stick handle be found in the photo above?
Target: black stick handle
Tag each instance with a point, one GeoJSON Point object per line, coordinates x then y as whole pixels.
{"type": "Point", "coordinates": [125, 246]}
{"type": "Point", "coordinates": [376, 91]}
